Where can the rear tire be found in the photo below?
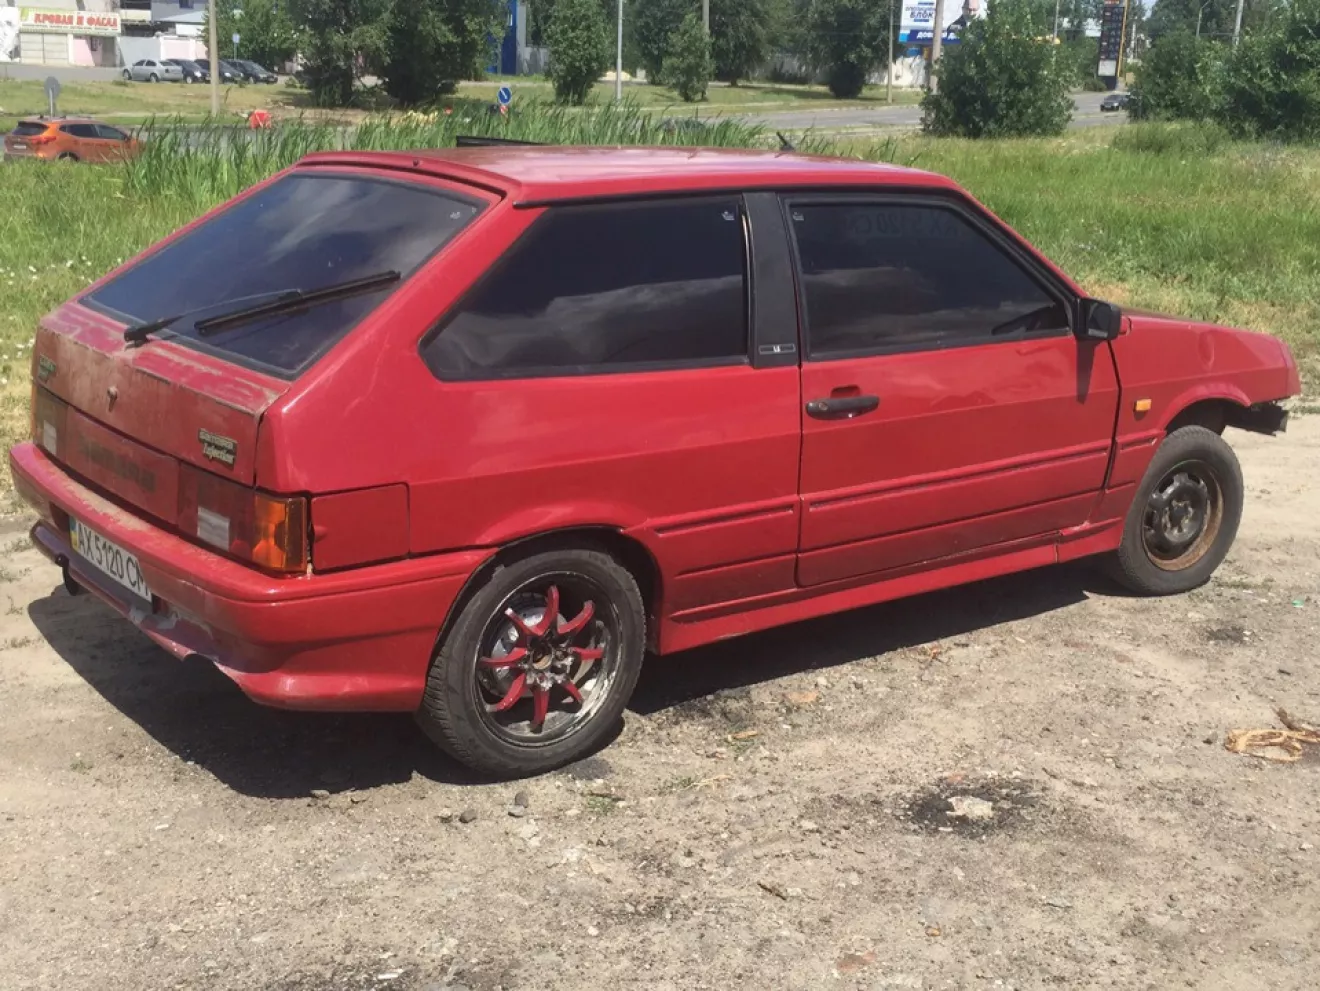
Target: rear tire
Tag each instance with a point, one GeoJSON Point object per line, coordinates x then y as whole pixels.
{"type": "Point", "coordinates": [153, 78]}
{"type": "Point", "coordinates": [67, 156]}
{"type": "Point", "coordinates": [1184, 516]}
{"type": "Point", "coordinates": [511, 694]}
{"type": "Point", "coordinates": [128, 76]}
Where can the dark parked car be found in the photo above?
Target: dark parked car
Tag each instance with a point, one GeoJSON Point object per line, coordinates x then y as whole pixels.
{"type": "Point", "coordinates": [252, 71]}
{"type": "Point", "coordinates": [1114, 102]}
{"type": "Point", "coordinates": [667, 396]}
{"type": "Point", "coordinates": [192, 72]}
{"type": "Point", "coordinates": [228, 74]}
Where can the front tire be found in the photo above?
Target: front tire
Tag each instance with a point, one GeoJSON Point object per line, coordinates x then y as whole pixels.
{"type": "Point", "coordinates": [1184, 516]}
{"type": "Point", "coordinates": [128, 76]}
{"type": "Point", "coordinates": [153, 78]}
{"type": "Point", "coordinates": [538, 665]}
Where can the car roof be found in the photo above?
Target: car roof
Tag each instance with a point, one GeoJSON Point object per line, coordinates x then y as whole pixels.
{"type": "Point", "coordinates": [535, 174]}
{"type": "Point", "coordinates": [58, 120]}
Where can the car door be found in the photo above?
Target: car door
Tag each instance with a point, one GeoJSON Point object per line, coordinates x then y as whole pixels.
{"type": "Point", "coordinates": [111, 143]}
{"type": "Point", "coordinates": [605, 372]}
{"type": "Point", "coordinates": [948, 407]}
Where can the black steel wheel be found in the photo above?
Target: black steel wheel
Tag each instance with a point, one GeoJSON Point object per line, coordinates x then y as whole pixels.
{"type": "Point", "coordinates": [538, 665]}
{"type": "Point", "coordinates": [1184, 516]}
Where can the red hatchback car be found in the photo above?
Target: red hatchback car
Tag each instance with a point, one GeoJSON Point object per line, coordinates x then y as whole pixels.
{"type": "Point", "coordinates": [465, 433]}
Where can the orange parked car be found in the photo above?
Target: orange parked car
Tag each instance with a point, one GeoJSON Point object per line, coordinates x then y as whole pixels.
{"type": "Point", "coordinates": [71, 139]}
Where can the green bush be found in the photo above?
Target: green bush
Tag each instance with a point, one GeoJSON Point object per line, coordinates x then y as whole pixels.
{"type": "Point", "coordinates": [431, 44]}
{"type": "Point", "coordinates": [579, 48]}
{"type": "Point", "coordinates": [653, 23]}
{"type": "Point", "coordinates": [1001, 80]}
{"type": "Point", "coordinates": [688, 64]}
{"type": "Point", "coordinates": [846, 39]}
{"type": "Point", "coordinates": [342, 36]}
{"type": "Point", "coordinates": [1178, 79]}
{"type": "Point", "coordinates": [1181, 140]}
{"type": "Point", "coordinates": [1271, 83]}
{"type": "Point", "coordinates": [740, 32]}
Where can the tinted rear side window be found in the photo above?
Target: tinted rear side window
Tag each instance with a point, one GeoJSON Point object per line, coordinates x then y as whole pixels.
{"type": "Point", "coordinates": [26, 129]}
{"type": "Point", "coordinates": [303, 232]}
{"type": "Point", "coordinates": [601, 288]}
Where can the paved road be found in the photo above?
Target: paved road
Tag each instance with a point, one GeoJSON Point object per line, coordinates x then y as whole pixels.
{"type": "Point", "coordinates": [1086, 113]}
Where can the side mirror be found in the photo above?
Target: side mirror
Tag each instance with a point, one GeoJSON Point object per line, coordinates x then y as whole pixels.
{"type": "Point", "coordinates": [1101, 321]}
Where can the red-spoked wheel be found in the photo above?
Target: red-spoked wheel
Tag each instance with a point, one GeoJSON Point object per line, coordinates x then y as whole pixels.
{"type": "Point", "coordinates": [538, 665]}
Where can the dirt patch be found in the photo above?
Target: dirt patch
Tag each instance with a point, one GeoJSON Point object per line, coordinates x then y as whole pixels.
{"type": "Point", "coordinates": [970, 807]}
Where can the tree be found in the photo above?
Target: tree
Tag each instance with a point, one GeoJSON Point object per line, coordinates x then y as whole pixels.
{"type": "Point", "coordinates": [740, 32]}
{"type": "Point", "coordinates": [1271, 82]}
{"type": "Point", "coordinates": [688, 64]}
{"type": "Point", "coordinates": [1003, 79]}
{"type": "Point", "coordinates": [266, 31]}
{"type": "Point", "coordinates": [1178, 78]}
{"type": "Point", "coordinates": [343, 39]}
{"type": "Point", "coordinates": [847, 39]}
{"type": "Point", "coordinates": [579, 48]}
{"type": "Point", "coordinates": [654, 23]}
{"type": "Point", "coordinates": [431, 44]}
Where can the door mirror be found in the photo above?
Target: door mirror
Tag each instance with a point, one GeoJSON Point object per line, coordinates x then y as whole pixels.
{"type": "Point", "coordinates": [1101, 321]}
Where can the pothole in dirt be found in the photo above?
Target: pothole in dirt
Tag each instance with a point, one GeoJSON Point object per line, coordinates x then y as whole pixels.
{"type": "Point", "coordinates": [971, 807]}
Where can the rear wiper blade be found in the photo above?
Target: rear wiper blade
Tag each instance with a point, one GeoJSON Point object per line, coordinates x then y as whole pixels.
{"type": "Point", "coordinates": [284, 301]}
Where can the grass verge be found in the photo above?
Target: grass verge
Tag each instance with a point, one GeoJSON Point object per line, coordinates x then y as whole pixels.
{"type": "Point", "coordinates": [1213, 230]}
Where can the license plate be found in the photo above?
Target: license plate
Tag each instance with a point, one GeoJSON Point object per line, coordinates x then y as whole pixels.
{"type": "Point", "coordinates": [18, 147]}
{"type": "Point", "coordinates": [108, 558]}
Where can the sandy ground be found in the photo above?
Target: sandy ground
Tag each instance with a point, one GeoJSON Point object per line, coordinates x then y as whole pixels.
{"type": "Point", "coordinates": [774, 813]}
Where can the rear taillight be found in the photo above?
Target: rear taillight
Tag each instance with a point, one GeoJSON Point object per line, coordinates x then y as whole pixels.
{"type": "Point", "coordinates": [49, 416]}
{"type": "Point", "coordinates": [267, 530]}
{"type": "Point", "coordinates": [40, 139]}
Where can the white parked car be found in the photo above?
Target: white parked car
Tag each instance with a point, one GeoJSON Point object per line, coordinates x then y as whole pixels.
{"type": "Point", "coordinates": [153, 71]}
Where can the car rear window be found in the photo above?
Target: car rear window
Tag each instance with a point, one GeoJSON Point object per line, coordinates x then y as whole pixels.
{"type": "Point", "coordinates": [304, 231]}
{"type": "Point", "coordinates": [28, 128]}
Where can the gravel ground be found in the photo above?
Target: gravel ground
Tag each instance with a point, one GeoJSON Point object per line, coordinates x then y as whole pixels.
{"type": "Point", "coordinates": [777, 812]}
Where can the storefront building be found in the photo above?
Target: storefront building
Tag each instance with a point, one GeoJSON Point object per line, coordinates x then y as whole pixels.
{"type": "Point", "coordinates": [60, 32]}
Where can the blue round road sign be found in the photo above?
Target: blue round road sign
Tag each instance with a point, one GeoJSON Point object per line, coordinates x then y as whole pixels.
{"type": "Point", "coordinates": [505, 96]}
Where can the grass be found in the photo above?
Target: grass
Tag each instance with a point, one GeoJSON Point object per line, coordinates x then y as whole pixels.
{"type": "Point", "coordinates": [135, 103]}
{"type": "Point", "coordinates": [1206, 228]}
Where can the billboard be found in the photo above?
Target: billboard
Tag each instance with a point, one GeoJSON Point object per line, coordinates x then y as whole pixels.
{"type": "Point", "coordinates": [1113, 20]}
{"type": "Point", "coordinates": [42, 20]}
{"type": "Point", "coordinates": [917, 26]}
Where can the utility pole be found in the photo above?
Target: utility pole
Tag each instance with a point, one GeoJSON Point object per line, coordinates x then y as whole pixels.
{"type": "Point", "coordinates": [1237, 25]}
{"type": "Point", "coordinates": [1056, 22]}
{"type": "Point", "coordinates": [213, 53]}
{"type": "Point", "coordinates": [889, 71]}
{"type": "Point", "coordinates": [936, 44]}
{"type": "Point", "coordinates": [618, 58]}
{"type": "Point", "coordinates": [705, 14]}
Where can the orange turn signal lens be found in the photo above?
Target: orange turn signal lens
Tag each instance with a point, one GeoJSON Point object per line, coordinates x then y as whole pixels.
{"type": "Point", "coordinates": [279, 533]}
{"type": "Point", "coordinates": [267, 530]}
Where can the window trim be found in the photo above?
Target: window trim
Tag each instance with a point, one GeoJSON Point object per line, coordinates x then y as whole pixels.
{"type": "Point", "coordinates": [274, 371]}
{"type": "Point", "coordinates": [1048, 282]}
{"type": "Point", "coordinates": [496, 268]}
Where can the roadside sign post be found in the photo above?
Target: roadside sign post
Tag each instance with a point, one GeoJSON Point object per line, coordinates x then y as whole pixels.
{"type": "Point", "coordinates": [618, 57]}
{"type": "Point", "coordinates": [234, 39]}
{"type": "Point", "coordinates": [213, 53]}
{"type": "Point", "coordinates": [52, 92]}
{"type": "Point", "coordinates": [504, 95]}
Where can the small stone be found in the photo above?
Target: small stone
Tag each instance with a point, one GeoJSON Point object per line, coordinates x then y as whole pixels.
{"type": "Point", "coordinates": [521, 799]}
{"type": "Point", "coordinates": [851, 963]}
{"type": "Point", "coordinates": [970, 807]}
{"type": "Point", "coordinates": [529, 831]}
{"type": "Point", "coordinates": [1058, 903]}
{"type": "Point", "coordinates": [592, 931]}
{"type": "Point", "coordinates": [357, 798]}
{"type": "Point", "coordinates": [822, 682]}
{"type": "Point", "coordinates": [1307, 846]}
{"type": "Point", "coordinates": [1284, 671]}
{"type": "Point", "coordinates": [467, 815]}
{"type": "Point", "coordinates": [794, 892]}
{"type": "Point", "coordinates": [517, 811]}
{"type": "Point", "coordinates": [320, 793]}
{"type": "Point", "coordinates": [801, 699]}
{"type": "Point", "coordinates": [1209, 741]}
{"type": "Point", "coordinates": [445, 815]}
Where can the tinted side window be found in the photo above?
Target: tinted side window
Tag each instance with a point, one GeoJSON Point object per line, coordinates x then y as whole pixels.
{"type": "Point", "coordinates": [595, 288]}
{"type": "Point", "coordinates": [887, 276]}
{"type": "Point", "coordinates": [110, 133]}
{"type": "Point", "coordinates": [79, 130]}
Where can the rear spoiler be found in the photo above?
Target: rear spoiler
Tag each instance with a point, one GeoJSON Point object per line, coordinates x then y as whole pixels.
{"type": "Point", "coordinates": [478, 141]}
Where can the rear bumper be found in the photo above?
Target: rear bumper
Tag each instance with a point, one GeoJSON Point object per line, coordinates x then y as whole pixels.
{"type": "Point", "coordinates": [354, 640]}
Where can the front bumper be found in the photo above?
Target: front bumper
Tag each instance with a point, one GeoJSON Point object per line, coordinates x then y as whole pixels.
{"type": "Point", "coordinates": [355, 640]}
